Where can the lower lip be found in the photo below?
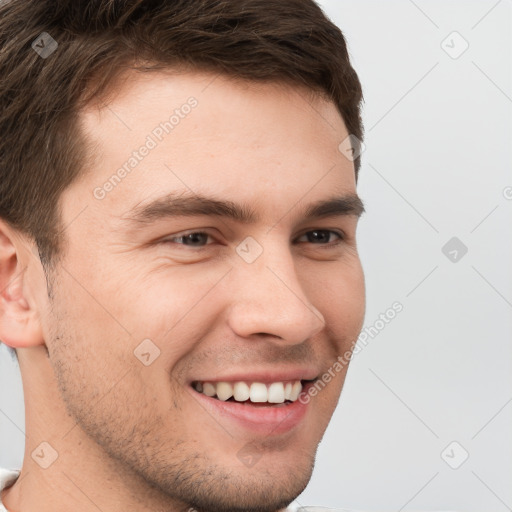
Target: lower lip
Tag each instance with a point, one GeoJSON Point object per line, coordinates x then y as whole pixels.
{"type": "Point", "coordinates": [267, 420]}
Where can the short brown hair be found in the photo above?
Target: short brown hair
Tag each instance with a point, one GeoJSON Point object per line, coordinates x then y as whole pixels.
{"type": "Point", "coordinates": [41, 148]}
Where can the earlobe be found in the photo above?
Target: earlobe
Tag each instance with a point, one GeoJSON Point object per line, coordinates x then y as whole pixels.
{"type": "Point", "coordinates": [19, 319]}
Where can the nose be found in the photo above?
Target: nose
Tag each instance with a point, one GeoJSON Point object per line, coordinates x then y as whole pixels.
{"type": "Point", "coordinates": [269, 299]}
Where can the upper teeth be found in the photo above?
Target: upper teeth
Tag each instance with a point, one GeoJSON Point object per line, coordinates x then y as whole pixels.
{"type": "Point", "coordinates": [274, 393]}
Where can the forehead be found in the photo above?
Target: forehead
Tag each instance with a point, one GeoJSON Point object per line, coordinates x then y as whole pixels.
{"type": "Point", "coordinates": [135, 100]}
{"type": "Point", "coordinates": [165, 131]}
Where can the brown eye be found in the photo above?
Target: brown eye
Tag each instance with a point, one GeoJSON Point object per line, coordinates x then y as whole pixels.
{"type": "Point", "coordinates": [321, 236]}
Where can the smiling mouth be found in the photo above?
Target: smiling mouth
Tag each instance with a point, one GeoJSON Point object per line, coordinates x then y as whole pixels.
{"type": "Point", "coordinates": [274, 394]}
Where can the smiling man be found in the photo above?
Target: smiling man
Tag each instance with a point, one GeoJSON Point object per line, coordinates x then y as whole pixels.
{"type": "Point", "coordinates": [178, 260]}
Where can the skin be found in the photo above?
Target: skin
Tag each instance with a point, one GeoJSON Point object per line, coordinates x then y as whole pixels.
{"type": "Point", "coordinates": [134, 437]}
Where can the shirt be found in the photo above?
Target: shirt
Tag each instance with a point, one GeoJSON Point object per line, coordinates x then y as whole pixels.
{"type": "Point", "coordinates": [7, 478]}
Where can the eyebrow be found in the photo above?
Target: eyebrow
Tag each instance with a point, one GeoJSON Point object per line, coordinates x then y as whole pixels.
{"type": "Point", "coordinates": [191, 205]}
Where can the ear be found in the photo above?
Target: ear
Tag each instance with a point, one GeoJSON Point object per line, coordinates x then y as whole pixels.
{"type": "Point", "coordinates": [19, 318]}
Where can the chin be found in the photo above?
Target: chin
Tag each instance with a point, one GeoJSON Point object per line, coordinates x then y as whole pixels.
{"type": "Point", "coordinates": [253, 490]}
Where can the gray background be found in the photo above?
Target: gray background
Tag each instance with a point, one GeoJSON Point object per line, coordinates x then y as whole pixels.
{"type": "Point", "coordinates": [434, 385]}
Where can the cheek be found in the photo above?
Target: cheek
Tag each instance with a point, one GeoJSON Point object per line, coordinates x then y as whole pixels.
{"type": "Point", "coordinates": [101, 380]}
{"type": "Point", "coordinates": [89, 346]}
{"type": "Point", "coordinates": [340, 296]}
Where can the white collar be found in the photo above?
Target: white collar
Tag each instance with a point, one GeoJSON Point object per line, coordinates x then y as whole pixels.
{"type": "Point", "coordinates": [7, 478]}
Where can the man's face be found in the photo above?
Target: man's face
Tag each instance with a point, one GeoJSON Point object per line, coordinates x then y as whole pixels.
{"type": "Point", "coordinates": [142, 315]}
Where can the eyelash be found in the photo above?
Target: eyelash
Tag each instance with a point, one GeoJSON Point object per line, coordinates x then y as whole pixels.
{"type": "Point", "coordinates": [340, 236]}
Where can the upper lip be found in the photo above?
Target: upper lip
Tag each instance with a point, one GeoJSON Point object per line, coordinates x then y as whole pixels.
{"type": "Point", "coordinates": [265, 376]}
